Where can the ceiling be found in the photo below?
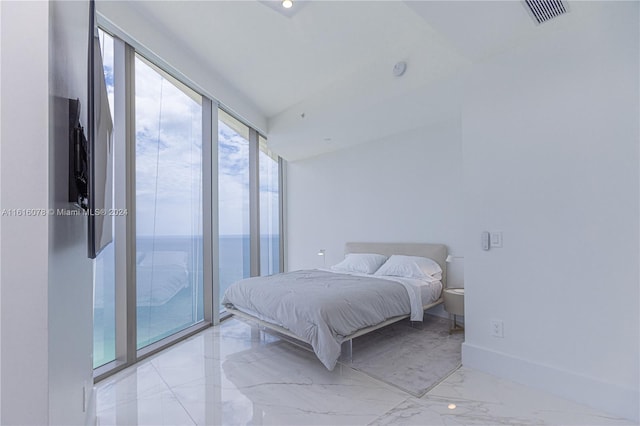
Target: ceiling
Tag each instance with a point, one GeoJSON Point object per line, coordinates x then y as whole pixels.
{"type": "Point", "coordinates": [323, 77]}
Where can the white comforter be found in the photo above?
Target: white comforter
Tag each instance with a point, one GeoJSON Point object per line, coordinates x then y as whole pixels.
{"type": "Point", "coordinates": [323, 307]}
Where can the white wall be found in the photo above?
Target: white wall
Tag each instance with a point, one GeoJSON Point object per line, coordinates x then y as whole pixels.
{"type": "Point", "coordinates": [405, 188]}
{"type": "Point", "coordinates": [70, 271]}
{"type": "Point", "coordinates": [550, 148]}
{"type": "Point", "coordinates": [45, 276]}
{"type": "Point", "coordinates": [24, 169]}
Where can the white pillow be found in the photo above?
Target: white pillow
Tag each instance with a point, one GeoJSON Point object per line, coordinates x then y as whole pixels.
{"type": "Point", "coordinates": [366, 263]}
{"type": "Point", "coordinates": [410, 267]}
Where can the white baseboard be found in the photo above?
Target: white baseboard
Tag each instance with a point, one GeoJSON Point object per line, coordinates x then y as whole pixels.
{"type": "Point", "coordinates": [608, 397]}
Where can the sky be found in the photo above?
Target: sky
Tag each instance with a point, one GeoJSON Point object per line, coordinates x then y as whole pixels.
{"type": "Point", "coordinates": [169, 161]}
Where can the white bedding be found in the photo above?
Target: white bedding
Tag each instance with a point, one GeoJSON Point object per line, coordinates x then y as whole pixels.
{"type": "Point", "coordinates": [323, 308]}
{"type": "Point", "coordinates": [422, 292]}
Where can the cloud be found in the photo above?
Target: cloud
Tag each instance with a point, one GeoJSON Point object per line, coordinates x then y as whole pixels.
{"type": "Point", "coordinates": [169, 162]}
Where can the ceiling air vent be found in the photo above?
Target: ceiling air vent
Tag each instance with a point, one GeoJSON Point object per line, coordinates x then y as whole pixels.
{"type": "Point", "coordinates": [544, 10]}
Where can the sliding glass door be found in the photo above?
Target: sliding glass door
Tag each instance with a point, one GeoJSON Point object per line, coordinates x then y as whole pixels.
{"type": "Point", "coordinates": [169, 238]}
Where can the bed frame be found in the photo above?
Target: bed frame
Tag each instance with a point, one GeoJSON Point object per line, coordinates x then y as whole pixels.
{"type": "Point", "coordinates": [437, 252]}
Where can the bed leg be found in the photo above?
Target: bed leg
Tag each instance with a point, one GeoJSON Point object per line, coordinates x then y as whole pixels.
{"type": "Point", "coordinates": [346, 351]}
{"type": "Point", "coordinates": [256, 334]}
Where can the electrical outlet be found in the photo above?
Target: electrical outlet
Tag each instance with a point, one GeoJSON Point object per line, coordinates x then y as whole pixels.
{"type": "Point", "coordinates": [497, 328]}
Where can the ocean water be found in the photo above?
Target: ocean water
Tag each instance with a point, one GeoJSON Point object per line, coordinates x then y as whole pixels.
{"type": "Point", "coordinates": [169, 281]}
{"type": "Point", "coordinates": [234, 258]}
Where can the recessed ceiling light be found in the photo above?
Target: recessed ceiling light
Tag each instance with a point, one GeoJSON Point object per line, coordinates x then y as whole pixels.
{"type": "Point", "coordinates": [451, 406]}
{"type": "Point", "coordinates": [288, 8]}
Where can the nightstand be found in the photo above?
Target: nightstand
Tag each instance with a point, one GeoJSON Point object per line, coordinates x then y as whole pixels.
{"type": "Point", "coordinates": [454, 304]}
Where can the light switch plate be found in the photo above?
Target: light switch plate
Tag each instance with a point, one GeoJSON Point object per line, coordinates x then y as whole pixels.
{"type": "Point", "coordinates": [496, 239]}
{"type": "Point", "coordinates": [484, 237]}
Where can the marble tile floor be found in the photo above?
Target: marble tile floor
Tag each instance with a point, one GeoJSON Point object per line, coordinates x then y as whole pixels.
{"type": "Point", "coordinates": [235, 375]}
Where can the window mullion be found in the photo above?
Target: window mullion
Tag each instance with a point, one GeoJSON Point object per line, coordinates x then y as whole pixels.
{"type": "Point", "coordinates": [281, 207]}
{"type": "Point", "coordinates": [211, 287]}
{"type": "Point", "coordinates": [254, 203]}
{"type": "Point", "coordinates": [129, 192]}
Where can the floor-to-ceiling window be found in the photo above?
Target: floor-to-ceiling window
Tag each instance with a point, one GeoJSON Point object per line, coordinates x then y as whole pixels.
{"type": "Point", "coordinates": [156, 283]}
{"type": "Point", "coordinates": [269, 187]}
{"type": "Point", "coordinates": [242, 212]}
{"type": "Point", "coordinates": [104, 324]}
{"type": "Point", "coordinates": [233, 200]}
{"type": "Point", "coordinates": [169, 245]}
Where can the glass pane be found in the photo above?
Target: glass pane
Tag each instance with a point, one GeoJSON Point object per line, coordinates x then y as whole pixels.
{"type": "Point", "coordinates": [269, 211]}
{"type": "Point", "coordinates": [168, 204]}
{"type": "Point", "coordinates": [104, 323]}
{"type": "Point", "coordinates": [233, 200]}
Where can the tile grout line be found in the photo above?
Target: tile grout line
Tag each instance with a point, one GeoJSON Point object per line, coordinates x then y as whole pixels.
{"type": "Point", "coordinates": [391, 409]}
{"type": "Point", "coordinates": [432, 387]}
{"type": "Point", "coordinates": [174, 395]}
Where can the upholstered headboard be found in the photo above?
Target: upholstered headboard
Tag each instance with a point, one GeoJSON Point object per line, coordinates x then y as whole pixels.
{"type": "Point", "coordinates": [437, 252]}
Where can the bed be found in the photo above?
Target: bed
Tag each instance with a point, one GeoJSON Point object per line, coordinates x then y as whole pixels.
{"type": "Point", "coordinates": [327, 309]}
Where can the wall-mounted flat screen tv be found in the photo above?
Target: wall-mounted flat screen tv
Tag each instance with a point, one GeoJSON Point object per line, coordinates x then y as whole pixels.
{"type": "Point", "coordinates": [99, 147]}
